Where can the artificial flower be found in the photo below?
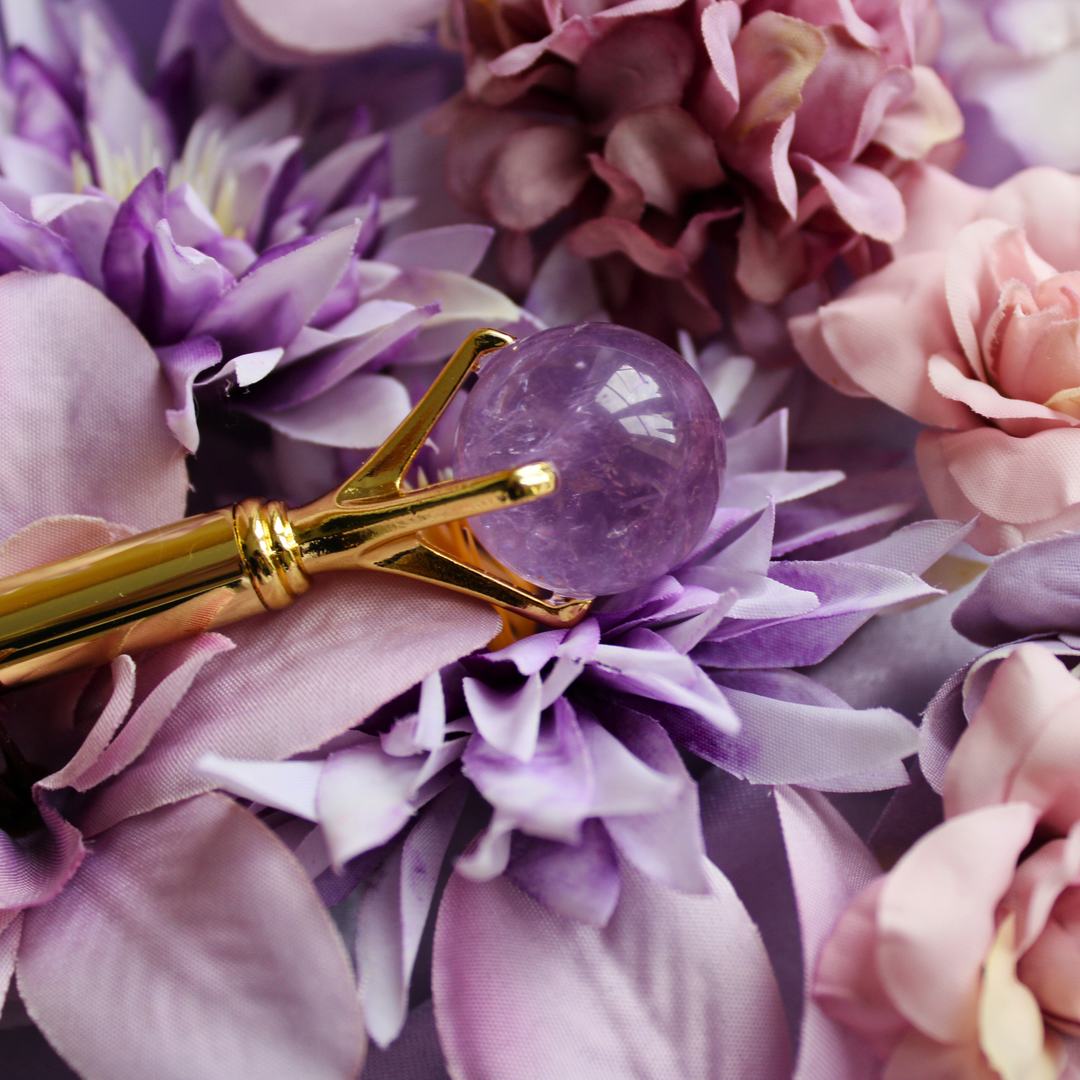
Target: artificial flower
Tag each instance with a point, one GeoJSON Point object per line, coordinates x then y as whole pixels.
{"type": "Point", "coordinates": [120, 876]}
{"type": "Point", "coordinates": [1017, 59]}
{"type": "Point", "coordinates": [570, 736]}
{"type": "Point", "coordinates": [241, 266]}
{"type": "Point", "coordinates": [971, 329]}
{"type": "Point", "coordinates": [638, 126]}
{"type": "Point", "coordinates": [959, 961]}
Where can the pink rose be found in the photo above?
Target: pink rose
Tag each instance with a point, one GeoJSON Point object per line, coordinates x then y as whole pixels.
{"type": "Point", "coordinates": [961, 962]}
{"type": "Point", "coordinates": [975, 330]}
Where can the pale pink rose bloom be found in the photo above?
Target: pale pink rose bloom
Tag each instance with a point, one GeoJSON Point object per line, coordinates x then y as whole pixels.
{"type": "Point", "coordinates": [960, 963]}
{"type": "Point", "coordinates": [974, 329]}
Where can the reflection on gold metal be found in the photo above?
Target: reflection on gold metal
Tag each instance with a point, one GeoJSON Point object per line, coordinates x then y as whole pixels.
{"type": "Point", "coordinates": [210, 570]}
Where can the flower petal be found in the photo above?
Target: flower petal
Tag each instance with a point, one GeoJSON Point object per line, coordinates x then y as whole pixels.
{"type": "Point", "coordinates": [674, 985]}
{"type": "Point", "coordinates": [164, 967]}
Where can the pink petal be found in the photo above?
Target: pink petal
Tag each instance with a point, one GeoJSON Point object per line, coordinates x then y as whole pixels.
{"type": "Point", "coordinates": [720, 24]}
{"type": "Point", "coordinates": [538, 172]}
{"type": "Point", "coordinates": [865, 198]}
{"type": "Point", "coordinates": [1040, 881]}
{"type": "Point", "coordinates": [673, 986]}
{"type": "Point", "coordinates": [281, 32]}
{"type": "Point", "coordinates": [82, 410]}
{"type": "Point", "coordinates": [938, 206]}
{"type": "Point", "coordinates": [1023, 481]}
{"type": "Point", "coordinates": [606, 235]}
{"type": "Point", "coordinates": [936, 916]}
{"type": "Point", "coordinates": [927, 119]}
{"type": "Point", "coordinates": [666, 152]}
{"type": "Point", "coordinates": [1026, 694]}
{"type": "Point", "coordinates": [1048, 967]}
{"type": "Point", "coordinates": [881, 333]}
{"type": "Point", "coordinates": [829, 866]}
{"type": "Point", "coordinates": [948, 376]}
{"type": "Point", "coordinates": [1045, 203]}
{"type": "Point", "coordinates": [192, 945]}
{"type": "Point", "coordinates": [345, 635]}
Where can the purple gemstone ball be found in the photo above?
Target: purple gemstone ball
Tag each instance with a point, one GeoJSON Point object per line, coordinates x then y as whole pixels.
{"type": "Point", "coordinates": [635, 437]}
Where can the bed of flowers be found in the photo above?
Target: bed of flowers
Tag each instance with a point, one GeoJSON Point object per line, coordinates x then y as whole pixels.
{"type": "Point", "coordinates": [802, 805]}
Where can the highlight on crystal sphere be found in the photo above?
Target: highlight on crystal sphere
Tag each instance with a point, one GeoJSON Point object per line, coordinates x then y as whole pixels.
{"type": "Point", "coordinates": [634, 435]}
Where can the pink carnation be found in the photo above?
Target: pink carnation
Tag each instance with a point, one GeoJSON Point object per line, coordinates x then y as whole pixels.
{"type": "Point", "coordinates": [960, 963]}
{"type": "Point", "coordinates": [638, 126]}
{"type": "Point", "coordinates": [975, 330]}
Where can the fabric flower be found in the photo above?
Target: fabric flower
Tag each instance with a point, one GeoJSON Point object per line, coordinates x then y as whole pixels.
{"type": "Point", "coordinates": [571, 736]}
{"type": "Point", "coordinates": [242, 266]}
{"type": "Point", "coordinates": [120, 876]}
{"type": "Point", "coordinates": [637, 126]}
{"type": "Point", "coordinates": [1018, 60]}
{"type": "Point", "coordinates": [972, 330]}
{"type": "Point", "coordinates": [960, 961]}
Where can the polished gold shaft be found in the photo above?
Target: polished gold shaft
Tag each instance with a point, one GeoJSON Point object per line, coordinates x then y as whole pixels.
{"type": "Point", "coordinates": [213, 569]}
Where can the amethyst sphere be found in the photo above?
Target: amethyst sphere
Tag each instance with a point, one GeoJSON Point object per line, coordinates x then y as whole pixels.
{"type": "Point", "coordinates": [636, 440]}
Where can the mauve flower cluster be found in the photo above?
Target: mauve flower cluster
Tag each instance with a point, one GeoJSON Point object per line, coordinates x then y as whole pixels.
{"type": "Point", "coordinates": [635, 128]}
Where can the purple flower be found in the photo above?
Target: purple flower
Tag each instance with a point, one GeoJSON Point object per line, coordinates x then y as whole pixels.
{"type": "Point", "coordinates": [246, 263]}
{"type": "Point", "coordinates": [572, 737]}
{"type": "Point", "coordinates": [121, 875]}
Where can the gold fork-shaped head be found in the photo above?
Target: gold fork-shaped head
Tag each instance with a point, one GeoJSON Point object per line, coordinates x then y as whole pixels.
{"type": "Point", "coordinates": [210, 570]}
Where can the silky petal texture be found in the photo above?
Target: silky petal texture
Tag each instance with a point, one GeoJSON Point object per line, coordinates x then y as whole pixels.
{"type": "Point", "coordinates": [363, 799]}
{"type": "Point", "coordinates": [459, 248]}
{"type": "Point", "coordinates": [1032, 484]}
{"type": "Point", "coordinates": [275, 298]}
{"type": "Point", "coordinates": [1030, 590]}
{"type": "Point", "coordinates": [927, 119]}
{"type": "Point", "coordinates": [393, 912]}
{"type": "Point", "coordinates": [213, 985]}
{"type": "Point", "coordinates": [1047, 967]}
{"type": "Point", "coordinates": [34, 869]}
{"type": "Point", "coordinates": [354, 636]}
{"type": "Point", "coordinates": [829, 866]}
{"type": "Point", "coordinates": [881, 333]}
{"type": "Point", "coordinates": [1028, 693]}
{"type": "Point", "coordinates": [361, 413]}
{"type": "Point", "coordinates": [10, 935]}
{"type": "Point", "coordinates": [538, 172]}
{"type": "Point", "coordinates": [865, 198]}
{"type": "Point", "coordinates": [84, 402]}
{"type": "Point", "coordinates": [936, 916]}
{"type": "Point", "coordinates": [674, 985]}
{"type": "Point", "coordinates": [938, 204]}
{"type": "Point", "coordinates": [508, 721]}
{"type": "Point", "coordinates": [283, 33]}
{"type": "Point", "coordinates": [1045, 203]}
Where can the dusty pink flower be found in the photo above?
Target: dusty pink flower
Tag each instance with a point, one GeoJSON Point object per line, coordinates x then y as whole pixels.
{"type": "Point", "coordinates": [637, 126]}
{"type": "Point", "coordinates": [960, 963]}
{"type": "Point", "coordinates": [975, 330]}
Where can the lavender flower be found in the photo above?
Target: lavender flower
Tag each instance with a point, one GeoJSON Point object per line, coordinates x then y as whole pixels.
{"type": "Point", "coordinates": [239, 263]}
{"type": "Point", "coordinates": [572, 736]}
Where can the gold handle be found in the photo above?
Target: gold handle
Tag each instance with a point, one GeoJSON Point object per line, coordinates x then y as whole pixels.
{"type": "Point", "coordinates": [207, 571]}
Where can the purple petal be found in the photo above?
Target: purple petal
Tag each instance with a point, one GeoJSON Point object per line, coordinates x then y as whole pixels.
{"type": "Point", "coordinates": [42, 115]}
{"type": "Point", "coordinates": [183, 364]}
{"type": "Point", "coordinates": [393, 912]}
{"type": "Point", "coordinates": [26, 245]}
{"type": "Point", "coordinates": [577, 881]}
{"type": "Point", "coordinates": [459, 248]}
{"type": "Point", "coordinates": [179, 966]}
{"type": "Point", "coordinates": [508, 720]}
{"type": "Point", "coordinates": [10, 936]}
{"type": "Point", "coordinates": [34, 868]}
{"type": "Point", "coordinates": [598, 1003]}
{"type": "Point", "coordinates": [1028, 591]}
{"type": "Point", "coordinates": [34, 169]}
{"type": "Point", "coordinates": [829, 865]}
{"type": "Point", "coordinates": [322, 187]}
{"type": "Point", "coordinates": [82, 410]}
{"type": "Point", "coordinates": [667, 844]}
{"type": "Point", "coordinates": [269, 304]}
{"type": "Point", "coordinates": [181, 282]}
{"type": "Point", "coordinates": [344, 634]}
{"type": "Point", "coordinates": [123, 263]}
{"type": "Point", "coordinates": [84, 221]}
{"type": "Point", "coordinates": [816, 745]}
{"type": "Point", "coordinates": [361, 413]}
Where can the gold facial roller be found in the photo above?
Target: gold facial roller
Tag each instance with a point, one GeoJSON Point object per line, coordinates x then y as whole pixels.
{"type": "Point", "coordinates": [206, 571]}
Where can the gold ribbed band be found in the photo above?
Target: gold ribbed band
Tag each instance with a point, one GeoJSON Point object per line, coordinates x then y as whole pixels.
{"type": "Point", "coordinates": [271, 554]}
